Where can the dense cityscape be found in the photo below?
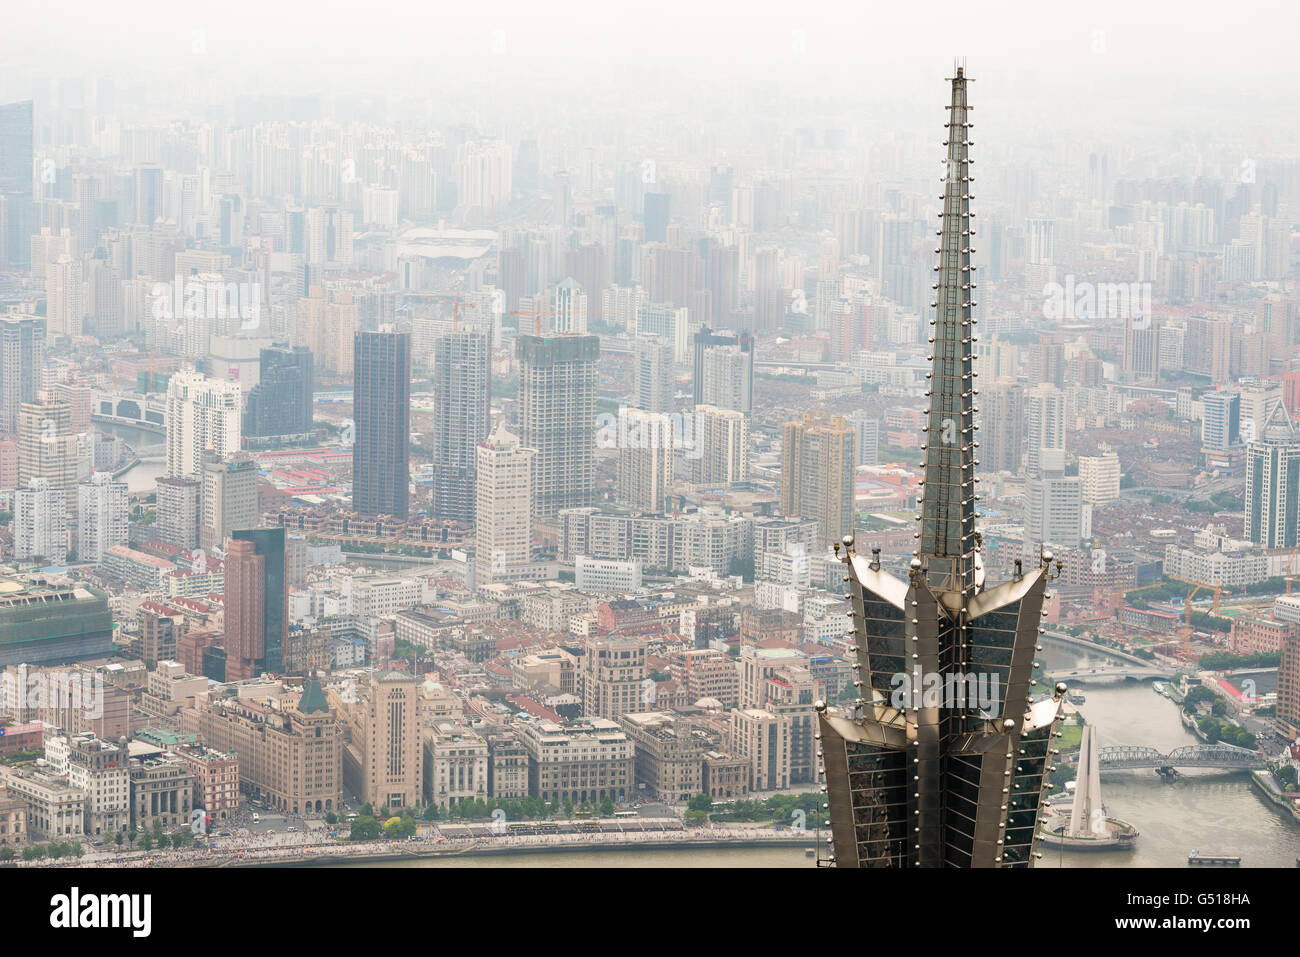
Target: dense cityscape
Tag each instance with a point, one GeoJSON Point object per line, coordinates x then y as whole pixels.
{"type": "Point", "coordinates": [491, 464]}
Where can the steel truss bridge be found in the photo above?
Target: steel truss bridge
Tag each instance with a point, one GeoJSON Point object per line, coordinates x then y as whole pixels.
{"type": "Point", "coordinates": [1224, 757]}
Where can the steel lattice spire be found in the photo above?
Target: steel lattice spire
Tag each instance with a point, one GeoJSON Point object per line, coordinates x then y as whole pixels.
{"type": "Point", "coordinates": [948, 500]}
{"type": "Point", "coordinates": [924, 771]}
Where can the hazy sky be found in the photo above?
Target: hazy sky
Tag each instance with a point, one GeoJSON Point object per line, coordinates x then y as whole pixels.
{"type": "Point", "coordinates": [1121, 36]}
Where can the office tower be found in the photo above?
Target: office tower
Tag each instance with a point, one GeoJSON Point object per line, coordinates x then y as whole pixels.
{"type": "Point", "coordinates": [281, 402]}
{"type": "Point", "coordinates": [656, 217]}
{"type": "Point", "coordinates": [723, 372]}
{"type": "Point", "coordinates": [329, 236]}
{"type": "Point", "coordinates": [1221, 420]}
{"type": "Point", "coordinates": [1045, 423]}
{"type": "Point", "coordinates": [866, 438]}
{"type": "Point", "coordinates": [1141, 348]}
{"type": "Point", "coordinates": [953, 785]}
{"type": "Point", "coordinates": [47, 447]}
{"type": "Point", "coordinates": [103, 517]}
{"type": "Point", "coordinates": [147, 183]}
{"type": "Point", "coordinates": [818, 468]}
{"type": "Point", "coordinates": [179, 512]}
{"type": "Point", "coordinates": [461, 419]}
{"type": "Point", "coordinates": [1046, 364]}
{"type": "Point", "coordinates": [1287, 722]}
{"type": "Point", "coordinates": [41, 523]}
{"type": "Point", "coordinates": [1040, 268]}
{"type": "Point", "coordinates": [22, 353]}
{"type": "Point", "coordinates": [1055, 513]}
{"type": "Point", "coordinates": [1002, 426]}
{"type": "Point", "coordinates": [65, 297]}
{"type": "Point", "coordinates": [229, 498]}
{"type": "Point", "coordinates": [718, 451]}
{"type": "Point", "coordinates": [483, 175]}
{"type": "Point", "coordinates": [645, 460]}
{"type": "Point", "coordinates": [655, 381]}
{"type": "Point", "coordinates": [160, 630]}
{"type": "Point", "coordinates": [17, 161]}
{"type": "Point", "coordinates": [328, 330]}
{"type": "Point", "coordinates": [769, 303]}
{"type": "Point", "coordinates": [722, 279]}
{"type": "Point", "coordinates": [664, 321]}
{"type": "Point", "coordinates": [568, 308]}
{"type": "Point", "coordinates": [1100, 475]}
{"type": "Point", "coordinates": [256, 603]}
{"type": "Point", "coordinates": [613, 678]}
{"type": "Point", "coordinates": [557, 418]}
{"type": "Point", "coordinates": [203, 415]}
{"type": "Point", "coordinates": [381, 401]}
{"type": "Point", "coordinates": [1207, 348]}
{"type": "Point", "coordinates": [383, 765]}
{"type": "Point", "coordinates": [504, 528]}
{"type": "Point", "coordinates": [1275, 319]}
{"type": "Point", "coordinates": [1273, 483]}
{"type": "Point", "coordinates": [587, 266]}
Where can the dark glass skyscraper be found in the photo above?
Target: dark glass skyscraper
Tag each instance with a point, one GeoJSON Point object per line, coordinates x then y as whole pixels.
{"type": "Point", "coordinates": [461, 420]}
{"type": "Point", "coordinates": [281, 402]}
{"type": "Point", "coordinates": [942, 761]}
{"type": "Point", "coordinates": [257, 603]}
{"type": "Point", "coordinates": [16, 159]}
{"type": "Point", "coordinates": [381, 401]}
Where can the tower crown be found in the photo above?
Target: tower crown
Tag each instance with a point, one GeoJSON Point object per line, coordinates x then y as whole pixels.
{"type": "Point", "coordinates": [948, 501]}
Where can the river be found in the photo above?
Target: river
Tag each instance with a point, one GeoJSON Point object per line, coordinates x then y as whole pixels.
{"type": "Point", "coordinates": [1215, 813]}
{"type": "Point", "coordinates": [142, 478]}
{"type": "Point", "coordinates": [700, 857]}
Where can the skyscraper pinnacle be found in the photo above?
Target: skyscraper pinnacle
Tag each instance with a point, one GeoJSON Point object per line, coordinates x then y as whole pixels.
{"type": "Point", "coordinates": [943, 778]}
{"type": "Point", "coordinates": [948, 495]}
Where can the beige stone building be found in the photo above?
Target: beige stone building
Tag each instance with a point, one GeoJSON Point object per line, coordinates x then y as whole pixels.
{"type": "Point", "coordinates": [383, 758]}
{"type": "Point", "coordinates": [13, 821]}
{"type": "Point", "coordinates": [507, 767]}
{"type": "Point", "coordinates": [162, 789]}
{"type": "Point", "coordinates": [614, 678]}
{"type": "Point", "coordinates": [289, 756]}
{"type": "Point", "coordinates": [55, 809]}
{"type": "Point", "coordinates": [669, 755]}
{"type": "Point", "coordinates": [725, 777]}
{"type": "Point", "coordinates": [710, 673]}
{"type": "Point", "coordinates": [764, 739]}
{"type": "Point", "coordinates": [552, 668]}
{"type": "Point", "coordinates": [456, 760]}
{"type": "Point", "coordinates": [578, 761]}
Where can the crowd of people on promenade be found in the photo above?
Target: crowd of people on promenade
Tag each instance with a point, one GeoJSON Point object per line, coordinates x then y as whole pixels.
{"type": "Point", "coordinates": [240, 845]}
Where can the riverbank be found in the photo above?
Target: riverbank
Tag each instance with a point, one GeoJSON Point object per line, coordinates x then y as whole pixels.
{"type": "Point", "coordinates": [486, 849]}
{"type": "Point", "coordinates": [1267, 786]}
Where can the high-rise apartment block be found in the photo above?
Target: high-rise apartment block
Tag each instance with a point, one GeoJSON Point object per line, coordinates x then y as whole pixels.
{"type": "Point", "coordinates": [381, 472]}
{"type": "Point", "coordinates": [229, 498]}
{"type": "Point", "coordinates": [462, 405]}
{"type": "Point", "coordinates": [504, 536]}
{"type": "Point", "coordinates": [203, 415]}
{"type": "Point", "coordinates": [818, 469]}
{"type": "Point", "coordinates": [557, 418]}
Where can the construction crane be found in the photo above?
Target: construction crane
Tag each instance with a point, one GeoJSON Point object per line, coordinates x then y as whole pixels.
{"type": "Point", "coordinates": [1101, 599]}
{"type": "Point", "coordinates": [1187, 610]}
{"type": "Point", "coordinates": [430, 297]}
{"type": "Point", "coordinates": [534, 314]}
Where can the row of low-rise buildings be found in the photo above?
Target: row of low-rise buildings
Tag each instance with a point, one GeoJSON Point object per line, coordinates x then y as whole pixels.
{"type": "Point", "coordinates": [88, 787]}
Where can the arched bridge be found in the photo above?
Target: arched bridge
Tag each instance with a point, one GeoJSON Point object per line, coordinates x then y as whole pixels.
{"type": "Point", "coordinates": [1216, 756]}
{"type": "Point", "coordinates": [1136, 672]}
